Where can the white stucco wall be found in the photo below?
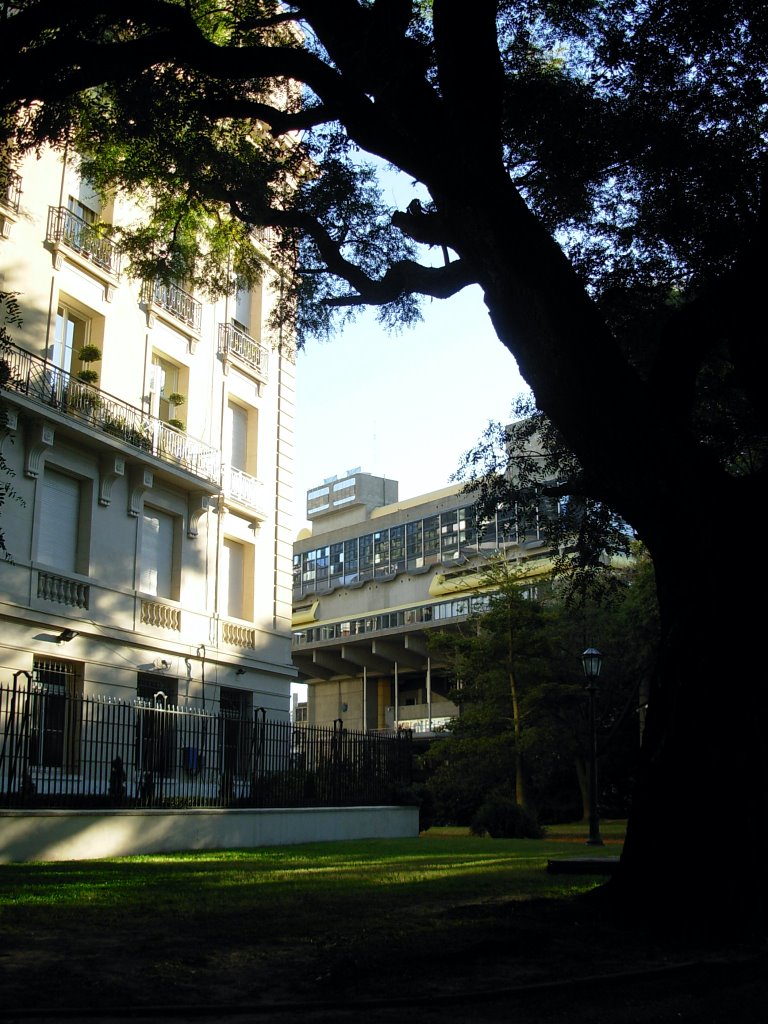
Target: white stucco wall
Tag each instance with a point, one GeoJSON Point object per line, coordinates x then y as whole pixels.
{"type": "Point", "coordinates": [84, 835]}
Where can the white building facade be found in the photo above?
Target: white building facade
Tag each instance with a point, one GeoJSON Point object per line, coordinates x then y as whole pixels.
{"type": "Point", "coordinates": [149, 432]}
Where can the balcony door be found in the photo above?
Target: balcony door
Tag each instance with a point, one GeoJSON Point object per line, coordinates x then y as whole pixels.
{"type": "Point", "coordinates": [165, 382]}
{"type": "Point", "coordinates": [70, 334]}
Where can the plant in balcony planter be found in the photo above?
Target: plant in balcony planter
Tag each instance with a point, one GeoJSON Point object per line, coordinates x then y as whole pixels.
{"type": "Point", "coordinates": [176, 423]}
{"type": "Point", "coordinates": [87, 376]}
{"type": "Point", "coordinates": [88, 354]}
{"type": "Point", "coordinates": [176, 398]}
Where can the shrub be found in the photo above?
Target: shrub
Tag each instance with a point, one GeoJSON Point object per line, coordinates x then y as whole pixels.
{"type": "Point", "coordinates": [501, 818]}
{"type": "Point", "coordinates": [89, 354]}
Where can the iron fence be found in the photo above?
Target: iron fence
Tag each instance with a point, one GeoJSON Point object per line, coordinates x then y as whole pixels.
{"type": "Point", "coordinates": [59, 750]}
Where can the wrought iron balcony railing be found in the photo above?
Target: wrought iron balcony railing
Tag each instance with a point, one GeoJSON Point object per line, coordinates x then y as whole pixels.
{"type": "Point", "coordinates": [35, 378]}
{"type": "Point", "coordinates": [234, 343]}
{"type": "Point", "coordinates": [176, 301]}
{"type": "Point", "coordinates": [10, 189]}
{"type": "Point", "coordinates": [87, 240]}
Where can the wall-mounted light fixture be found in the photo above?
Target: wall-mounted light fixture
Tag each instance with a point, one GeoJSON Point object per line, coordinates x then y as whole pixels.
{"type": "Point", "coordinates": [161, 664]}
{"type": "Point", "coordinates": [66, 635]}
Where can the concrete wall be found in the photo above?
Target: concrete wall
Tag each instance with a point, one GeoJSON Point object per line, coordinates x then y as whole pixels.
{"type": "Point", "coordinates": [85, 835]}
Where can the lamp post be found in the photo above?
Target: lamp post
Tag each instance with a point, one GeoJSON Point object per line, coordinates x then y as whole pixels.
{"type": "Point", "coordinates": [592, 661]}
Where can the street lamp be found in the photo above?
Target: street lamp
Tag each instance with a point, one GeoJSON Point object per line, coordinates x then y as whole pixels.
{"type": "Point", "coordinates": [592, 661]}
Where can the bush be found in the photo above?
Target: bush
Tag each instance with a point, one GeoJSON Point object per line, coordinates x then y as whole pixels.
{"type": "Point", "coordinates": [501, 818]}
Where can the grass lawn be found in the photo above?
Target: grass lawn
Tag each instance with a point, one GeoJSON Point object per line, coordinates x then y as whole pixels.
{"type": "Point", "coordinates": [318, 921]}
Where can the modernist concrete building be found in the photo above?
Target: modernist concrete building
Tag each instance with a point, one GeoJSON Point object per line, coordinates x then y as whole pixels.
{"type": "Point", "coordinates": [372, 579]}
{"type": "Point", "coordinates": [150, 437]}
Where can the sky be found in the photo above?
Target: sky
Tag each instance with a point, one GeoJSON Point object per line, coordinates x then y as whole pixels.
{"type": "Point", "coordinates": [404, 406]}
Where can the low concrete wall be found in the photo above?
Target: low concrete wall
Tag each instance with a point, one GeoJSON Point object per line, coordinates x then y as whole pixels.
{"type": "Point", "coordinates": [86, 835]}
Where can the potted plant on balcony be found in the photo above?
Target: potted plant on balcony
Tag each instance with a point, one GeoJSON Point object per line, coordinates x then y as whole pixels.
{"type": "Point", "coordinates": [88, 354]}
{"type": "Point", "coordinates": [175, 400]}
{"type": "Point", "coordinates": [85, 399]}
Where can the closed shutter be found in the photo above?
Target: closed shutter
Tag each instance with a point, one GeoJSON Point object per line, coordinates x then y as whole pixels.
{"type": "Point", "coordinates": [156, 570]}
{"type": "Point", "coordinates": [232, 578]}
{"type": "Point", "coordinates": [238, 433]}
{"type": "Point", "coordinates": [59, 521]}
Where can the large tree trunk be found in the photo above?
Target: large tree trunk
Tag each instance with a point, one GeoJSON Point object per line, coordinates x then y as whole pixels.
{"type": "Point", "coordinates": [697, 842]}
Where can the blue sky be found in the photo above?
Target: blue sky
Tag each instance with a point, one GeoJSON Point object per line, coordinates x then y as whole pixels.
{"type": "Point", "coordinates": [407, 405]}
{"type": "Point", "coordinates": [404, 406]}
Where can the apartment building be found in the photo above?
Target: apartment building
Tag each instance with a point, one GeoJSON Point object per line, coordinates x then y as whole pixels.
{"type": "Point", "coordinates": [149, 433]}
{"type": "Point", "coordinates": [373, 577]}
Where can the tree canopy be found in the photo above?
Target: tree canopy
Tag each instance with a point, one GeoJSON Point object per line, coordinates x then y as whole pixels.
{"type": "Point", "coordinates": [597, 168]}
{"type": "Point", "coordinates": [517, 677]}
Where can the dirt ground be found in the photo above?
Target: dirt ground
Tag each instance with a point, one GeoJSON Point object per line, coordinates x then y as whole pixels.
{"type": "Point", "coordinates": [525, 962]}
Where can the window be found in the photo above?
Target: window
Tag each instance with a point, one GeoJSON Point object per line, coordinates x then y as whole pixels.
{"type": "Point", "coordinates": [432, 536]}
{"type": "Point", "coordinates": [350, 560]}
{"type": "Point", "coordinates": [242, 317]}
{"type": "Point", "coordinates": [235, 731]}
{"type": "Point", "coordinates": [167, 385]}
{"type": "Point", "coordinates": [413, 545]}
{"type": "Point", "coordinates": [155, 726]}
{"type": "Point", "coordinates": [236, 586]}
{"type": "Point", "coordinates": [70, 334]}
{"type": "Point", "coordinates": [59, 527]}
{"type": "Point", "coordinates": [77, 206]}
{"type": "Point", "coordinates": [397, 547]}
{"type": "Point", "coordinates": [366, 552]}
{"type": "Point", "coordinates": [56, 713]}
{"type": "Point", "coordinates": [242, 437]}
{"type": "Point", "coordinates": [157, 567]}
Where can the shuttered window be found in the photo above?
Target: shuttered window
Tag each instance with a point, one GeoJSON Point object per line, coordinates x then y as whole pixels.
{"type": "Point", "coordinates": [156, 569]}
{"type": "Point", "coordinates": [233, 578]}
{"type": "Point", "coordinates": [238, 433]}
{"type": "Point", "coordinates": [59, 521]}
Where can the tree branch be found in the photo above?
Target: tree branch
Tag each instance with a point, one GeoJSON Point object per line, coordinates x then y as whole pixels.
{"type": "Point", "coordinates": [409, 277]}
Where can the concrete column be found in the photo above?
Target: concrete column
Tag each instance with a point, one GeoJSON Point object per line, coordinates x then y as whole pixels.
{"type": "Point", "coordinates": [429, 695]}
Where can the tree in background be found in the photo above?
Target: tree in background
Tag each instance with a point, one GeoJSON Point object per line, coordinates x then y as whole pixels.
{"type": "Point", "coordinates": [598, 169]}
{"type": "Point", "coordinates": [495, 659]}
{"type": "Point", "coordinates": [523, 728]}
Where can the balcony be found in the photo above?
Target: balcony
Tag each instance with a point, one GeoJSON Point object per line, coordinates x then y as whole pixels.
{"type": "Point", "coordinates": [10, 189]}
{"type": "Point", "coordinates": [235, 634]}
{"type": "Point", "coordinates": [54, 390]}
{"type": "Point", "coordinates": [244, 490]}
{"type": "Point", "coordinates": [160, 615]}
{"type": "Point", "coordinates": [62, 590]}
{"type": "Point", "coordinates": [89, 241]}
{"type": "Point", "coordinates": [173, 299]}
{"type": "Point", "coordinates": [233, 343]}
